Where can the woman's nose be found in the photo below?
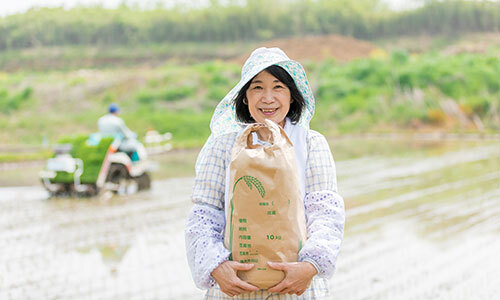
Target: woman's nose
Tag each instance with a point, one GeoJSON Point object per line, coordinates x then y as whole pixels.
{"type": "Point", "coordinates": [268, 97]}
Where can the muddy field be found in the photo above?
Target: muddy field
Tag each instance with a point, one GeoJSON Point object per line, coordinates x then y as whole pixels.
{"type": "Point", "coordinates": [423, 222]}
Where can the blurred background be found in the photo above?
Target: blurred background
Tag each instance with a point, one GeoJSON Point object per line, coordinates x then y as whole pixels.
{"type": "Point", "coordinates": [407, 93]}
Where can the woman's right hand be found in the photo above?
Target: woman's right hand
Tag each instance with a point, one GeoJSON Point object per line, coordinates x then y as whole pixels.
{"type": "Point", "coordinates": [229, 282]}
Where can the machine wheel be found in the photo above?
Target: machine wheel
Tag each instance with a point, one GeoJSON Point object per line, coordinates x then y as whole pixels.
{"type": "Point", "coordinates": [63, 190]}
{"type": "Point", "coordinates": [119, 178]}
{"type": "Point", "coordinates": [144, 182]}
{"type": "Point", "coordinates": [91, 190]}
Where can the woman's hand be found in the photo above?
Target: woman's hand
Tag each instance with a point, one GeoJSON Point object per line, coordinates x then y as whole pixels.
{"type": "Point", "coordinates": [229, 283]}
{"type": "Point", "coordinates": [298, 277]}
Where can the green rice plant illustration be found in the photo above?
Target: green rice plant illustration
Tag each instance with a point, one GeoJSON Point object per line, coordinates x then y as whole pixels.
{"type": "Point", "coordinates": [252, 181]}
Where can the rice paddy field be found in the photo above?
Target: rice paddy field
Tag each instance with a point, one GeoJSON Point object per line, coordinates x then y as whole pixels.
{"type": "Point", "coordinates": [423, 222]}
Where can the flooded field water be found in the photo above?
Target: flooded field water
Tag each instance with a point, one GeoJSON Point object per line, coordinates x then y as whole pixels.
{"type": "Point", "coordinates": [423, 222]}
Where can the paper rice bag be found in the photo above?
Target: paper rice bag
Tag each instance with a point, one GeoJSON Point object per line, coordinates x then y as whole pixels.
{"type": "Point", "coordinates": [265, 220]}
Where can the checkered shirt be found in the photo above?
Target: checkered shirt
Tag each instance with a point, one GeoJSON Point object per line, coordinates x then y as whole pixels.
{"type": "Point", "coordinates": [324, 209]}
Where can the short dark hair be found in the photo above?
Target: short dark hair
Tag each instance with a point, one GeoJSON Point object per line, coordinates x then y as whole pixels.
{"type": "Point", "coordinates": [296, 107]}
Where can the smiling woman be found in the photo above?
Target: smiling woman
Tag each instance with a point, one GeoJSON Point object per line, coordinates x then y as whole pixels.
{"type": "Point", "coordinates": [268, 98]}
{"type": "Point", "coordinates": [272, 87]}
{"type": "Point", "coordinates": [271, 94]}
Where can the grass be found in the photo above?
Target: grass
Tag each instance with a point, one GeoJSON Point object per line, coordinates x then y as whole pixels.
{"type": "Point", "coordinates": [19, 157]}
{"type": "Point", "coordinates": [175, 164]}
{"type": "Point", "coordinates": [68, 58]}
{"type": "Point", "coordinates": [396, 92]}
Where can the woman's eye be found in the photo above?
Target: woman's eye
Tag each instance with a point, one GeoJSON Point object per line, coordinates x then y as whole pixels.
{"type": "Point", "coordinates": [278, 87]}
{"type": "Point", "coordinates": [257, 87]}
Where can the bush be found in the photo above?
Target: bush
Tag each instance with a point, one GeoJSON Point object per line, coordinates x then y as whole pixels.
{"type": "Point", "coordinates": [403, 114]}
{"type": "Point", "coordinates": [9, 103]}
{"type": "Point", "coordinates": [177, 93]}
{"type": "Point", "coordinates": [147, 96]}
{"type": "Point", "coordinates": [402, 88]}
{"type": "Point", "coordinates": [188, 128]}
{"type": "Point", "coordinates": [217, 92]}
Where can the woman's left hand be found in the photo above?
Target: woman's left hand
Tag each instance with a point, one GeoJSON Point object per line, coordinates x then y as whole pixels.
{"type": "Point", "coordinates": [298, 277]}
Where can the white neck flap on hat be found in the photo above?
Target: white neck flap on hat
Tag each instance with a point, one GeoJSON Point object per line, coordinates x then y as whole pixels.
{"type": "Point", "coordinates": [224, 119]}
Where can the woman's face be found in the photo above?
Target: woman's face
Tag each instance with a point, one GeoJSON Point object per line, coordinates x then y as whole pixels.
{"type": "Point", "coordinates": [268, 98]}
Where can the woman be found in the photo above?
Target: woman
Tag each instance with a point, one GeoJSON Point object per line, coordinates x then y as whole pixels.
{"type": "Point", "coordinates": [271, 87]}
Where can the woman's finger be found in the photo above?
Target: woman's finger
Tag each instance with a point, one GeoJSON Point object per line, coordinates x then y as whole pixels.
{"type": "Point", "coordinates": [299, 293]}
{"type": "Point", "coordinates": [246, 286]}
{"type": "Point", "coordinates": [285, 291]}
{"type": "Point", "coordinates": [277, 266]}
{"type": "Point", "coordinates": [237, 291]}
{"type": "Point", "coordinates": [241, 267]}
{"type": "Point", "coordinates": [278, 288]}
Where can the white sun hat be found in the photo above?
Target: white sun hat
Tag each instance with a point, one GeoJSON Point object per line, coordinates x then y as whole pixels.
{"type": "Point", "coordinates": [224, 119]}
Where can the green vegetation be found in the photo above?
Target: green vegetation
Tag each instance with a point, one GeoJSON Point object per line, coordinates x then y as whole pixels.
{"type": "Point", "coordinates": [64, 67]}
{"type": "Point", "coordinates": [92, 157]}
{"type": "Point", "coordinates": [240, 21]}
{"type": "Point", "coordinates": [395, 92]}
{"type": "Point", "coordinates": [405, 91]}
{"type": "Point", "coordinates": [72, 57]}
{"type": "Point", "coordinates": [13, 101]}
{"type": "Point", "coordinates": [17, 157]}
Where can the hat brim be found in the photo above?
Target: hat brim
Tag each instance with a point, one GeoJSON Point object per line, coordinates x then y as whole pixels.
{"type": "Point", "coordinates": [225, 115]}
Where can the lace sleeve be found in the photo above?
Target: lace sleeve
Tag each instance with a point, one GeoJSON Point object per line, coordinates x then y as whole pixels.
{"type": "Point", "coordinates": [324, 208]}
{"type": "Point", "coordinates": [204, 235]}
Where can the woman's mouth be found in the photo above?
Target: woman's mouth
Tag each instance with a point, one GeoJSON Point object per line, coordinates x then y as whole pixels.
{"type": "Point", "coordinates": [268, 111]}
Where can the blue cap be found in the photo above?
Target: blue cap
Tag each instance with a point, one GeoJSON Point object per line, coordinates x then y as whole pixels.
{"type": "Point", "coordinates": [113, 108]}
